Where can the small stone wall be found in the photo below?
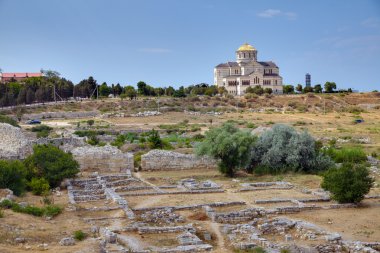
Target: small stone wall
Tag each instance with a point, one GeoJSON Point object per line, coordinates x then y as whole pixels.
{"type": "Point", "coordinates": [56, 115]}
{"type": "Point", "coordinates": [169, 160]}
{"type": "Point", "coordinates": [103, 159]}
{"type": "Point", "coordinates": [65, 143]}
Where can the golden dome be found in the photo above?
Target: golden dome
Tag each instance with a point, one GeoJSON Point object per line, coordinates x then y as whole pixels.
{"type": "Point", "coordinates": [246, 47]}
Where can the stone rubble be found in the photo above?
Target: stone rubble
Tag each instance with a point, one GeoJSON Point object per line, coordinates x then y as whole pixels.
{"type": "Point", "coordinates": [13, 143]}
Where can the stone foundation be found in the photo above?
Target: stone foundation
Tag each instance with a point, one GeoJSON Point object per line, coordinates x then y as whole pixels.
{"type": "Point", "coordinates": [169, 160]}
{"type": "Point", "coordinates": [103, 159]}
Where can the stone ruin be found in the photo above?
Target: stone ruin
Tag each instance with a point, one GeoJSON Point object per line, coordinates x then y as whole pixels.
{"type": "Point", "coordinates": [279, 185]}
{"type": "Point", "coordinates": [103, 159]}
{"type": "Point", "coordinates": [169, 160]}
{"type": "Point", "coordinates": [13, 143]}
{"type": "Point", "coordinates": [68, 115]}
{"type": "Point", "coordinates": [146, 114]}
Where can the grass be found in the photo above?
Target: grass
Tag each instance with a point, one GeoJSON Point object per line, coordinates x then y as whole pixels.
{"type": "Point", "coordinates": [347, 154]}
{"type": "Point", "coordinates": [47, 211]}
{"type": "Point", "coordinates": [42, 131]}
{"type": "Point", "coordinates": [8, 120]}
{"type": "Point", "coordinates": [79, 235]}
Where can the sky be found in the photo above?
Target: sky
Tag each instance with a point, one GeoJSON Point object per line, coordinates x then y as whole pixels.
{"type": "Point", "coordinates": [179, 42]}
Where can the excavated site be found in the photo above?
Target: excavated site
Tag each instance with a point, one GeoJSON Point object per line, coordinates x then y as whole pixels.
{"type": "Point", "coordinates": [175, 202]}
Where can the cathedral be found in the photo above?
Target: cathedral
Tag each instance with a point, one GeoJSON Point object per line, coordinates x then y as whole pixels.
{"type": "Point", "coordinates": [246, 71]}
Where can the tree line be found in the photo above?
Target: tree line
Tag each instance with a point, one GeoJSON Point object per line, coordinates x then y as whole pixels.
{"type": "Point", "coordinates": [51, 87]}
{"type": "Point", "coordinates": [328, 87]}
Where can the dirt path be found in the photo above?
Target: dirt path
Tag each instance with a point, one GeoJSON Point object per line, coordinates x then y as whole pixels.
{"type": "Point", "coordinates": [219, 237]}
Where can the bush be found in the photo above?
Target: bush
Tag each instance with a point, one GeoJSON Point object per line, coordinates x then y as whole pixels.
{"type": "Point", "coordinates": [79, 235]}
{"type": "Point", "coordinates": [137, 159]}
{"type": "Point", "coordinates": [283, 149]}
{"type": "Point", "coordinates": [90, 122]}
{"type": "Point", "coordinates": [8, 120]}
{"type": "Point", "coordinates": [51, 163]}
{"type": "Point", "coordinates": [1, 213]}
{"type": "Point", "coordinates": [349, 183]}
{"type": "Point", "coordinates": [39, 186]}
{"type": "Point", "coordinates": [231, 146]}
{"type": "Point", "coordinates": [12, 176]}
{"type": "Point", "coordinates": [48, 211]}
{"type": "Point", "coordinates": [347, 154]}
{"type": "Point", "coordinates": [42, 131]}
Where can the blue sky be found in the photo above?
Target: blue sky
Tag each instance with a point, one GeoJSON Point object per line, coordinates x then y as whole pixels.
{"type": "Point", "coordinates": [178, 42]}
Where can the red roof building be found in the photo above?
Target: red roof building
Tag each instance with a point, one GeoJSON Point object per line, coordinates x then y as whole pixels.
{"type": "Point", "coordinates": [7, 77]}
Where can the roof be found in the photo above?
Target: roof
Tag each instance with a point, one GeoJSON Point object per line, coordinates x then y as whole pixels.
{"type": "Point", "coordinates": [268, 64]}
{"type": "Point", "coordinates": [21, 75]}
{"type": "Point", "coordinates": [246, 47]}
{"type": "Point", "coordinates": [228, 64]}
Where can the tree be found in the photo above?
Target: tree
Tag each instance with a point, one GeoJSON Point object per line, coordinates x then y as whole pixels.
{"type": "Point", "coordinates": [21, 98]}
{"type": "Point", "coordinates": [118, 89]}
{"type": "Point", "coordinates": [349, 183]}
{"type": "Point", "coordinates": [130, 92]}
{"type": "Point", "coordinates": [169, 91]}
{"type": "Point", "coordinates": [104, 90]}
{"type": "Point", "coordinates": [299, 88]}
{"type": "Point", "coordinates": [318, 88]}
{"type": "Point", "coordinates": [255, 89]}
{"type": "Point", "coordinates": [330, 87]}
{"type": "Point", "coordinates": [231, 146]}
{"type": "Point", "coordinates": [12, 176]}
{"type": "Point", "coordinates": [29, 96]}
{"type": "Point", "coordinates": [180, 92]}
{"type": "Point", "coordinates": [282, 149]}
{"type": "Point", "coordinates": [51, 163]}
{"type": "Point", "coordinates": [288, 89]}
{"type": "Point", "coordinates": [141, 88]}
{"type": "Point", "coordinates": [308, 89]}
{"type": "Point", "coordinates": [268, 90]}
{"type": "Point", "coordinates": [154, 140]}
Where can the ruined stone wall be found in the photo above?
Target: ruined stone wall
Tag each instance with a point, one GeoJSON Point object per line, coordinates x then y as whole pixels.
{"type": "Point", "coordinates": [59, 115]}
{"type": "Point", "coordinates": [13, 143]}
{"type": "Point", "coordinates": [65, 143]}
{"type": "Point", "coordinates": [103, 159]}
{"type": "Point", "coordinates": [169, 160]}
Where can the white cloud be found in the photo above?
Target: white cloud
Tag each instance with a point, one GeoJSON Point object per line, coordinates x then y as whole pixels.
{"type": "Point", "coordinates": [271, 13]}
{"type": "Point", "coordinates": [371, 22]}
{"type": "Point", "coordinates": [155, 50]}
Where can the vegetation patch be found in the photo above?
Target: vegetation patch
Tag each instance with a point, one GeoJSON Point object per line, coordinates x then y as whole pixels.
{"type": "Point", "coordinates": [48, 211]}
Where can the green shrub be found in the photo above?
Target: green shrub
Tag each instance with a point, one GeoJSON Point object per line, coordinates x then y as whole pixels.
{"type": "Point", "coordinates": [42, 131]}
{"type": "Point", "coordinates": [1, 213]}
{"type": "Point", "coordinates": [39, 186]}
{"type": "Point", "coordinates": [347, 154]}
{"type": "Point", "coordinates": [349, 183]}
{"type": "Point", "coordinates": [49, 210]}
{"type": "Point", "coordinates": [283, 149]}
{"type": "Point", "coordinates": [93, 140]}
{"type": "Point", "coordinates": [51, 163]}
{"type": "Point", "coordinates": [79, 235]}
{"type": "Point", "coordinates": [8, 120]}
{"type": "Point", "coordinates": [250, 125]}
{"type": "Point", "coordinates": [230, 145]}
{"type": "Point", "coordinates": [90, 122]}
{"type": "Point", "coordinates": [137, 159]}
{"type": "Point", "coordinates": [52, 210]}
{"type": "Point", "coordinates": [12, 176]}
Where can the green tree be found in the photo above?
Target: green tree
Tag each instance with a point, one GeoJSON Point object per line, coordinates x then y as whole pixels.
{"type": "Point", "coordinates": [282, 148]}
{"type": "Point", "coordinates": [349, 183]}
{"type": "Point", "coordinates": [268, 90]}
{"type": "Point", "coordinates": [51, 163]}
{"type": "Point", "coordinates": [142, 88]}
{"type": "Point", "coordinates": [39, 186]}
{"type": "Point", "coordinates": [308, 89]}
{"type": "Point", "coordinates": [330, 87]}
{"type": "Point", "coordinates": [299, 88]}
{"type": "Point", "coordinates": [104, 90]}
{"type": "Point", "coordinates": [180, 92]}
{"type": "Point", "coordinates": [130, 92]}
{"type": "Point", "coordinates": [118, 89]}
{"type": "Point", "coordinates": [318, 88]}
{"type": "Point", "coordinates": [288, 89]}
{"type": "Point", "coordinates": [12, 176]}
{"type": "Point", "coordinates": [231, 146]}
{"type": "Point", "coordinates": [155, 141]}
{"type": "Point", "coordinates": [257, 89]}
